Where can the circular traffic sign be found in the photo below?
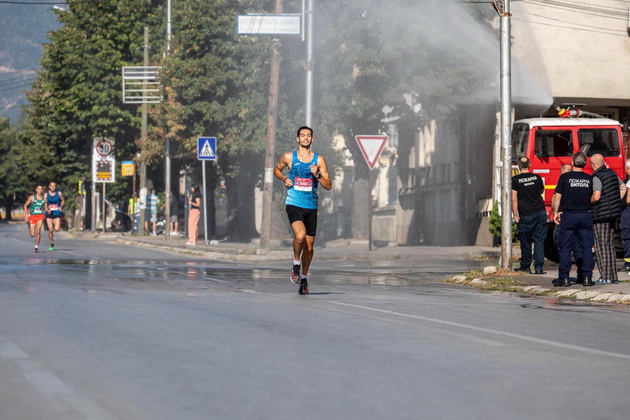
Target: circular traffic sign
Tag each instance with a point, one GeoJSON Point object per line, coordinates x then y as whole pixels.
{"type": "Point", "coordinates": [104, 147]}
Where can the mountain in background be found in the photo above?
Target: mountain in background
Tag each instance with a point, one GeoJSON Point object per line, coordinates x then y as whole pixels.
{"type": "Point", "coordinates": [24, 28]}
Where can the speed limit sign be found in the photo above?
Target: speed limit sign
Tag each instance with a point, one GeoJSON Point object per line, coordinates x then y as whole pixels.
{"type": "Point", "coordinates": [104, 147]}
{"type": "Point", "coordinates": [103, 160]}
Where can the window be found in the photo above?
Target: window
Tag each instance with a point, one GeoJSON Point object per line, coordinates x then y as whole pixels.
{"type": "Point", "coordinates": [553, 143]}
{"type": "Point", "coordinates": [520, 132]}
{"type": "Point", "coordinates": [604, 141]}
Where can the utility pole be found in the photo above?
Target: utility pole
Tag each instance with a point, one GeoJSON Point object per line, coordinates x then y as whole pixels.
{"type": "Point", "coordinates": [308, 108]}
{"type": "Point", "coordinates": [143, 164]}
{"type": "Point", "coordinates": [503, 9]}
{"type": "Point", "coordinates": [270, 144]}
{"type": "Point", "coordinates": [167, 147]}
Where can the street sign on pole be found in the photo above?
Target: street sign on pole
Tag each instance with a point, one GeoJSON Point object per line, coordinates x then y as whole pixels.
{"type": "Point", "coordinates": [206, 148]}
{"type": "Point", "coordinates": [141, 85]}
{"type": "Point", "coordinates": [103, 160]}
{"type": "Point", "coordinates": [281, 24]}
{"type": "Point", "coordinates": [371, 147]}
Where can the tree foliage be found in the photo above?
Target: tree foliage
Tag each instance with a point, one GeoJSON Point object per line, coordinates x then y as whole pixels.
{"type": "Point", "coordinates": [77, 94]}
{"type": "Point", "coordinates": [373, 60]}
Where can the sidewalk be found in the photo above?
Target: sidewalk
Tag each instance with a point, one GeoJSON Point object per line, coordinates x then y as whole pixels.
{"type": "Point", "coordinates": [357, 250]}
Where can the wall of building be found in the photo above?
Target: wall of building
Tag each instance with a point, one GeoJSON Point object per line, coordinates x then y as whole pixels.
{"type": "Point", "coordinates": [580, 49]}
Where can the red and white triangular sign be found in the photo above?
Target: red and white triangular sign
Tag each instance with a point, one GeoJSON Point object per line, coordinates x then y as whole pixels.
{"type": "Point", "coordinates": [371, 147]}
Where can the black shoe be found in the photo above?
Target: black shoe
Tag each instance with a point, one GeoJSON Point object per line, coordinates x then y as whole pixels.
{"type": "Point", "coordinates": [524, 270]}
{"type": "Point", "coordinates": [540, 271]}
{"type": "Point", "coordinates": [588, 281]}
{"type": "Point", "coordinates": [303, 290]}
{"type": "Point", "coordinates": [626, 267]}
{"type": "Point", "coordinates": [563, 282]}
{"type": "Point", "coordinates": [580, 280]}
{"type": "Point", "coordinates": [295, 273]}
{"type": "Point", "coordinates": [614, 282]}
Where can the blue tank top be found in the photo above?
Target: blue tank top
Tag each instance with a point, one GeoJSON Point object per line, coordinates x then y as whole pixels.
{"type": "Point", "coordinates": [54, 203]}
{"type": "Point", "coordinates": [303, 192]}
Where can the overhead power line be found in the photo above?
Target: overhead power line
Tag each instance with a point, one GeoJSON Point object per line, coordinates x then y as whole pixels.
{"type": "Point", "coordinates": [15, 87]}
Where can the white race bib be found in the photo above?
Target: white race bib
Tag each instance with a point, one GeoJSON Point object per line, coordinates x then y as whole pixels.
{"type": "Point", "coordinates": [303, 184]}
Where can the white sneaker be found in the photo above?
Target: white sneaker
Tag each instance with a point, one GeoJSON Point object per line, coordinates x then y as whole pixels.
{"type": "Point", "coordinates": [190, 243]}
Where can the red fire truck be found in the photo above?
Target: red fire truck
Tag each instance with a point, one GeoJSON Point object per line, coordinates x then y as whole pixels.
{"type": "Point", "coordinates": [551, 142]}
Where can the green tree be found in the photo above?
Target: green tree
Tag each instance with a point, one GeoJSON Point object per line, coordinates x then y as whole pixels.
{"type": "Point", "coordinates": [217, 86]}
{"type": "Point", "coordinates": [77, 93]}
{"type": "Point", "coordinates": [13, 182]}
{"type": "Point", "coordinates": [389, 60]}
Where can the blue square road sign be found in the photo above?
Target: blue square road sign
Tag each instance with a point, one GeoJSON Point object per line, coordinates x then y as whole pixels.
{"type": "Point", "coordinates": [206, 148]}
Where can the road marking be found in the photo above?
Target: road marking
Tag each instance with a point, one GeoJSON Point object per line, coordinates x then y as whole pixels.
{"type": "Point", "coordinates": [488, 331]}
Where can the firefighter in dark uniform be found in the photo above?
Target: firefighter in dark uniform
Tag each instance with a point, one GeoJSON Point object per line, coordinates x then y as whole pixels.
{"type": "Point", "coordinates": [528, 210]}
{"type": "Point", "coordinates": [575, 223]}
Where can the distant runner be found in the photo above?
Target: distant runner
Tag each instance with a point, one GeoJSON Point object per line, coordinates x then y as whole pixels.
{"type": "Point", "coordinates": [54, 211]}
{"type": "Point", "coordinates": [34, 207]}
{"type": "Point", "coordinates": [306, 171]}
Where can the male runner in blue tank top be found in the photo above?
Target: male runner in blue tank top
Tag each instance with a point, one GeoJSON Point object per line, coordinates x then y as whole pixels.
{"type": "Point", "coordinates": [54, 211]}
{"type": "Point", "coordinates": [306, 171]}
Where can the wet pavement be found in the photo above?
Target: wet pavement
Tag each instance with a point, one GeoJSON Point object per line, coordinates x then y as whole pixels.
{"type": "Point", "coordinates": [357, 252]}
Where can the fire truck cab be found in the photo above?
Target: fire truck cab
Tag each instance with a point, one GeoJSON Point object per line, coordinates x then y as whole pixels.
{"type": "Point", "coordinates": [551, 142]}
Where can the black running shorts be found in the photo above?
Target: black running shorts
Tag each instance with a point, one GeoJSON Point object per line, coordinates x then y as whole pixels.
{"type": "Point", "coordinates": [306, 216]}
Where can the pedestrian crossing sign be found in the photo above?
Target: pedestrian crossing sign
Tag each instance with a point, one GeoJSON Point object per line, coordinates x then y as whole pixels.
{"type": "Point", "coordinates": [206, 148]}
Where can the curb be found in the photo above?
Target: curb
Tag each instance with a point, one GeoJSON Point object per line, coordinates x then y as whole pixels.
{"type": "Point", "coordinates": [577, 294]}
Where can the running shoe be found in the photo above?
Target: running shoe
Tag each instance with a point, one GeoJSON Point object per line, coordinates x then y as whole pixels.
{"type": "Point", "coordinates": [295, 273]}
{"type": "Point", "coordinates": [52, 248]}
{"type": "Point", "coordinates": [36, 249]}
{"type": "Point", "coordinates": [303, 287]}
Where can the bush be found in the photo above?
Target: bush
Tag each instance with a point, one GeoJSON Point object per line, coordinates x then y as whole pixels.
{"type": "Point", "coordinates": [494, 224]}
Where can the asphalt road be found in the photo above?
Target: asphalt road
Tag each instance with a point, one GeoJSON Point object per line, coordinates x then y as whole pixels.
{"type": "Point", "coordinates": [97, 330]}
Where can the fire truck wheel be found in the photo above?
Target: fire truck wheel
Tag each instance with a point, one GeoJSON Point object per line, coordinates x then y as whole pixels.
{"type": "Point", "coordinates": [551, 251]}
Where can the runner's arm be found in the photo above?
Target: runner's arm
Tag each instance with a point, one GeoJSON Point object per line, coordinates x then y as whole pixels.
{"type": "Point", "coordinates": [29, 200]}
{"type": "Point", "coordinates": [285, 161]}
{"type": "Point", "coordinates": [322, 173]}
{"type": "Point", "coordinates": [63, 201]}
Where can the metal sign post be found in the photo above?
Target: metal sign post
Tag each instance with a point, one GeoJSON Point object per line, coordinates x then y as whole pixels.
{"type": "Point", "coordinates": [103, 170]}
{"type": "Point", "coordinates": [206, 150]}
{"type": "Point", "coordinates": [371, 148]}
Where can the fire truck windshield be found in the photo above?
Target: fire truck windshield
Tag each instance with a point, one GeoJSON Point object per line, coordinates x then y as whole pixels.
{"type": "Point", "coordinates": [599, 140]}
{"type": "Point", "coordinates": [553, 143]}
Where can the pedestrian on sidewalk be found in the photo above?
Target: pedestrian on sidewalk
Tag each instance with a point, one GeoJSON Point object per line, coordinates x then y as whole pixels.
{"type": "Point", "coordinates": [306, 171]}
{"type": "Point", "coordinates": [133, 210]}
{"type": "Point", "coordinates": [174, 214]}
{"type": "Point", "coordinates": [151, 213]}
{"type": "Point", "coordinates": [528, 210]}
{"type": "Point", "coordinates": [608, 190]}
{"type": "Point", "coordinates": [571, 211]}
{"type": "Point", "coordinates": [625, 223]}
{"type": "Point", "coordinates": [194, 214]}
{"type": "Point", "coordinates": [34, 207]}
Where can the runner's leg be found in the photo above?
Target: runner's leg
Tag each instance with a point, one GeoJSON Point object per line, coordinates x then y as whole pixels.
{"type": "Point", "coordinates": [38, 231]}
{"type": "Point", "coordinates": [307, 254]}
{"type": "Point", "coordinates": [299, 239]}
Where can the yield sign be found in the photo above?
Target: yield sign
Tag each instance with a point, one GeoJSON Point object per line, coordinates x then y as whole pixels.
{"type": "Point", "coordinates": [371, 147]}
